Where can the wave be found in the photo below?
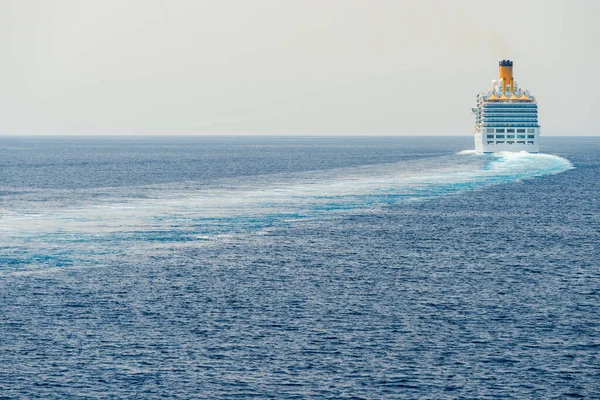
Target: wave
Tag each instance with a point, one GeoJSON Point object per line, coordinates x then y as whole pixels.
{"type": "Point", "coordinates": [468, 152]}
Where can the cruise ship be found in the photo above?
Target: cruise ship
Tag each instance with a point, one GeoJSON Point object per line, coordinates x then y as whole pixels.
{"type": "Point", "coordinates": [506, 116]}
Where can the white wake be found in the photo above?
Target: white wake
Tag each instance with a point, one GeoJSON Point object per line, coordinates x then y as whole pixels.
{"type": "Point", "coordinates": [179, 214]}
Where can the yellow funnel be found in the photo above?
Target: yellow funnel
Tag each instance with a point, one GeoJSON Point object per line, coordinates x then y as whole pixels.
{"type": "Point", "coordinates": [505, 73]}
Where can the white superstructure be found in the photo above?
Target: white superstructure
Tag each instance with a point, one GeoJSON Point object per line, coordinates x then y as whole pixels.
{"type": "Point", "coordinates": [506, 116]}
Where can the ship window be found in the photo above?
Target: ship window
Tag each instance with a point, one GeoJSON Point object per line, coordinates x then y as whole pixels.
{"type": "Point", "coordinates": [510, 136]}
{"type": "Point", "coordinates": [499, 136]}
{"type": "Point", "coordinates": [530, 142]}
{"type": "Point", "coordinates": [511, 142]}
{"type": "Point", "coordinates": [499, 141]}
{"type": "Point", "coordinates": [520, 136]}
{"type": "Point", "coordinates": [520, 130]}
{"type": "Point", "coordinates": [490, 142]}
{"type": "Point", "coordinates": [530, 136]}
{"type": "Point", "coordinates": [499, 130]}
{"type": "Point", "coordinates": [490, 136]}
{"type": "Point", "coordinates": [510, 131]}
{"type": "Point", "coordinates": [520, 142]}
{"type": "Point", "coordinates": [492, 130]}
{"type": "Point", "coordinates": [529, 130]}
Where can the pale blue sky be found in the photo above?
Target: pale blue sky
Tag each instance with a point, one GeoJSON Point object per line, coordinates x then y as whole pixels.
{"type": "Point", "coordinates": [308, 67]}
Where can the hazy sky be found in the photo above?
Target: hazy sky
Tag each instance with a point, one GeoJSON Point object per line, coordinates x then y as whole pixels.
{"type": "Point", "coordinates": [310, 67]}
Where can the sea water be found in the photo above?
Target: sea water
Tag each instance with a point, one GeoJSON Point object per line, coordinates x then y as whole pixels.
{"type": "Point", "coordinates": [259, 267]}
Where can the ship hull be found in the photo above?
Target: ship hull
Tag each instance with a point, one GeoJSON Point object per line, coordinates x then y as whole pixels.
{"type": "Point", "coordinates": [494, 143]}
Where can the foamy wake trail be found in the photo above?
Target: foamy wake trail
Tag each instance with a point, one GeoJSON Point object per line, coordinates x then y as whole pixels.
{"type": "Point", "coordinates": [468, 152]}
{"type": "Point", "coordinates": [181, 214]}
{"type": "Point", "coordinates": [522, 165]}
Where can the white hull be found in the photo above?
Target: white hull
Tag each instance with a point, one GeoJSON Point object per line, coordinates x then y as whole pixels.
{"type": "Point", "coordinates": [496, 142]}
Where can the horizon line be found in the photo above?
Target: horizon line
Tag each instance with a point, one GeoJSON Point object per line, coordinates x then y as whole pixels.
{"type": "Point", "coordinates": [246, 135]}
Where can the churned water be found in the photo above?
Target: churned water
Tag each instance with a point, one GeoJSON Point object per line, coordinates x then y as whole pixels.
{"type": "Point", "coordinates": [298, 268]}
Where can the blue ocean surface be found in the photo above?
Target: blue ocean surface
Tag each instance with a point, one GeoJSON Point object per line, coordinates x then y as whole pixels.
{"type": "Point", "coordinates": [298, 267]}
